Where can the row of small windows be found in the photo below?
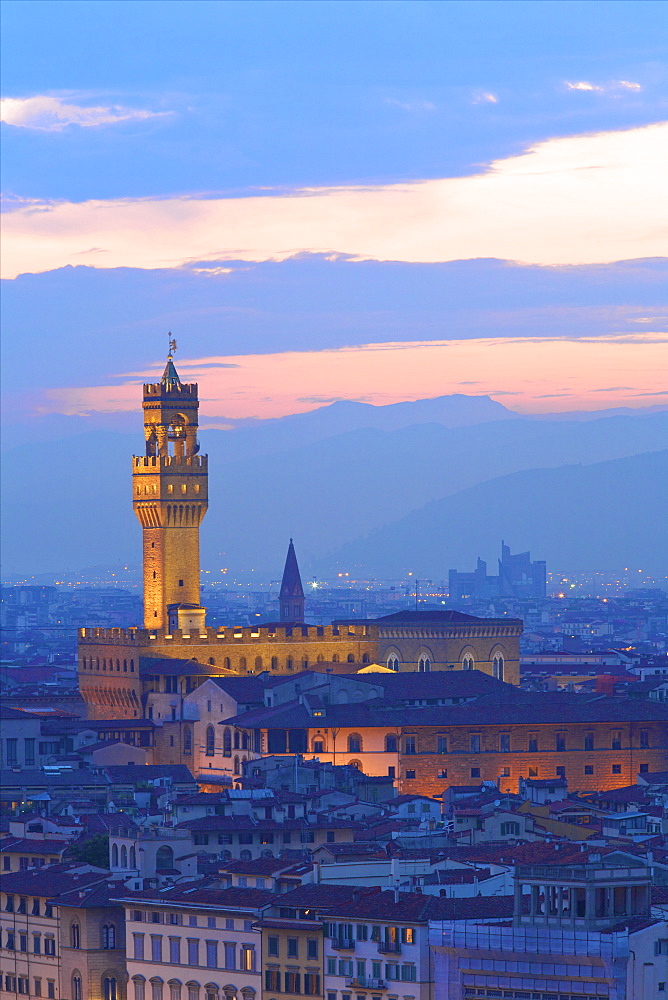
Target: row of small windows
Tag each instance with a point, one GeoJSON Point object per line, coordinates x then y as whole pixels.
{"type": "Point", "coordinates": [468, 663]}
{"type": "Point", "coordinates": [95, 663]}
{"type": "Point", "coordinates": [193, 990]}
{"type": "Point", "coordinates": [444, 744]}
{"type": "Point", "coordinates": [153, 489]}
{"type": "Point", "coordinates": [560, 772]}
{"type": "Point", "coordinates": [239, 740]}
{"type": "Point", "coordinates": [289, 663]}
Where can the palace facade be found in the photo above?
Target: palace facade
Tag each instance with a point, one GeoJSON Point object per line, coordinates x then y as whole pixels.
{"type": "Point", "coordinates": [170, 499]}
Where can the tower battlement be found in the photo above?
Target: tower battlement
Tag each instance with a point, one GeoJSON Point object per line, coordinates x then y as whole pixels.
{"type": "Point", "coordinates": [160, 389]}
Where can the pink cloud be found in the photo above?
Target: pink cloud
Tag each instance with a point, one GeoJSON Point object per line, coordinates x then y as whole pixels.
{"type": "Point", "coordinates": [576, 200]}
{"type": "Point", "coordinates": [527, 374]}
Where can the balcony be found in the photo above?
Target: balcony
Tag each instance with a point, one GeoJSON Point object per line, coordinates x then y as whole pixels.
{"type": "Point", "coordinates": [389, 947]}
{"type": "Point", "coordinates": [342, 944]}
{"type": "Point", "coordinates": [365, 983]}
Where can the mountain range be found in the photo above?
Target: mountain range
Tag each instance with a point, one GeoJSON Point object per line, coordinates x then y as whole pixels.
{"type": "Point", "coordinates": [361, 485]}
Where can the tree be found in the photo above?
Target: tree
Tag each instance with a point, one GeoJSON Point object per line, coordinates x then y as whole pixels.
{"type": "Point", "coordinates": [92, 851]}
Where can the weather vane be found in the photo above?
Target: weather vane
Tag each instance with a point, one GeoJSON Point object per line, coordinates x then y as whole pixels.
{"type": "Point", "coordinates": [172, 344]}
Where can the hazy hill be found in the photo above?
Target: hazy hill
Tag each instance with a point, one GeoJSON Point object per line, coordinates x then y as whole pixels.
{"type": "Point", "coordinates": [72, 506]}
{"type": "Point", "coordinates": [603, 516]}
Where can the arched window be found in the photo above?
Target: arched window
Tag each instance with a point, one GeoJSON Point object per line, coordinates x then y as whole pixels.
{"type": "Point", "coordinates": [354, 743]}
{"type": "Point", "coordinates": [245, 855]}
{"type": "Point", "coordinates": [133, 858]}
{"type": "Point", "coordinates": [124, 856]}
{"type": "Point", "coordinates": [230, 992]}
{"type": "Point", "coordinates": [357, 764]}
{"type": "Point", "coordinates": [193, 990]}
{"type": "Point", "coordinates": [498, 666]}
{"type": "Point", "coordinates": [320, 658]}
{"type": "Point", "coordinates": [187, 740]}
{"type": "Point", "coordinates": [244, 740]}
{"type": "Point", "coordinates": [114, 855]}
{"type": "Point", "coordinates": [226, 663]}
{"type": "Point", "coordinates": [164, 858]}
{"type": "Point", "coordinates": [210, 745]}
{"type": "Point", "coordinates": [366, 658]}
{"type": "Point", "coordinates": [351, 658]}
{"type": "Point", "coordinates": [237, 769]}
{"type": "Point", "coordinates": [139, 984]}
{"type": "Point", "coordinates": [242, 663]}
{"type": "Point", "coordinates": [274, 663]}
{"type": "Point", "coordinates": [335, 658]}
{"type": "Point", "coordinates": [109, 988]}
{"type": "Point", "coordinates": [424, 664]}
{"type": "Point", "coordinates": [211, 991]}
{"type": "Point", "coordinates": [156, 989]}
{"type": "Point", "coordinates": [258, 663]}
{"type": "Point", "coordinates": [109, 935]}
{"type": "Point", "coordinates": [393, 662]}
{"type": "Point", "coordinates": [468, 662]}
{"type": "Point", "coordinates": [174, 989]}
{"type": "Point", "coordinates": [75, 936]}
{"type": "Point", "coordinates": [77, 992]}
{"type": "Point", "coordinates": [391, 743]}
{"type": "Point", "coordinates": [212, 661]}
{"type": "Point", "coordinates": [227, 742]}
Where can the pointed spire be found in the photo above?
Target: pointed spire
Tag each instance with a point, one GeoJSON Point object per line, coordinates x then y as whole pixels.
{"type": "Point", "coordinates": [291, 596]}
{"type": "Point", "coordinates": [170, 377]}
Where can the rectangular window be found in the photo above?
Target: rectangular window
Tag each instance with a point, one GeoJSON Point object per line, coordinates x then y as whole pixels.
{"type": "Point", "coordinates": [589, 741]}
{"type": "Point", "coordinates": [410, 775]}
{"type": "Point", "coordinates": [409, 745]}
{"type": "Point", "coordinates": [272, 980]}
{"type": "Point", "coordinates": [475, 742]}
{"type": "Point", "coordinates": [29, 752]}
{"type": "Point", "coordinates": [211, 922]}
{"type": "Point", "coordinates": [589, 768]}
{"type": "Point", "coordinates": [475, 772]}
{"type": "Point", "coordinates": [175, 950]}
{"type": "Point", "coordinates": [49, 946]}
{"type": "Point", "coordinates": [616, 742]}
{"type": "Point", "coordinates": [561, 772]}
{"type": "Point", "coordinates": [230, 955]}
{"type": "Point", "coordinates": [247, 958]}
{"type": "Point", "coordinates": [38, 987]}
{"type": "Point", "coordinates": [292, 982]}
{"type": "Point", "coordinates": [533, 743]}
{"type": "Point", "coordinates": [12, 752]}
{"type": "Point", "coordinates": [644, 739]}
{"type": "Point", "coordinates": [156, 947]}
{"type": "Point", "coordinates": [293, 948]}
{"type": "Point", "coordinates": [51, 989]}
{"type": "Point", "coordinates": [193, 951]}
{"type": "Point", "coordinates": [505, 772]}
{"type": "Point", "coordinates": [616, 768]}
{"type": "Point", "coordinates": [36, 944]}
{"type": "Point", "coordinates": [504, 742]}
{"type": "Point", "coordinates": [441, 744]}
{"type": "Point", "coordinates": [272, 946]}
{"type": "Point", "coordinates": [331, 966]}
{"type": "Point", "coordinates": [212, 954]}
{"type": "Point", "coordinates": [408, 935]}
{"type": "Point", "coordinates": [408, 973]}
{"type": "Point", "coordinates": [312, 948]}
{"type": "Point", "coordinates": [23, 942]}
{"type": "Point", "coordinates": [311, 983]}
{"type": "Point", "coordinates": [139, 945]}
{"type": "Point", "coordinates": [362, 932]}
{"type": "Point", "coordinates": [560, 742]}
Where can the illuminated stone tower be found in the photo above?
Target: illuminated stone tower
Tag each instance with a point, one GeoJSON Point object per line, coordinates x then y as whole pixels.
{"type": "Point", "coordinates": [170, 498]}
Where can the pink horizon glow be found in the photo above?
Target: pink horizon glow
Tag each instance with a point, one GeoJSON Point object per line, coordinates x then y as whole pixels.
{"type": "Point", "coordinates": [527, 375]}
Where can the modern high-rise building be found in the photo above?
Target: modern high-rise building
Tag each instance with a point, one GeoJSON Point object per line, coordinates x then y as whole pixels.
{"type": "Point", "coordinates": [518, 576]}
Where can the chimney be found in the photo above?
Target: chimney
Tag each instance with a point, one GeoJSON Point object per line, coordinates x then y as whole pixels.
{"type": "Point", "coordinates": [357, 895]}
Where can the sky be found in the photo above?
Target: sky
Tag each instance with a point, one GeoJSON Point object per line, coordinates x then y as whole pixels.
{"type": "Point", "coordinates": [373, 200]}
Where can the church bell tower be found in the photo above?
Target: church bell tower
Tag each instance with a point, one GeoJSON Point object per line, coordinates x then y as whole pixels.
{"type": "Point", "coordinates": [170, 499]}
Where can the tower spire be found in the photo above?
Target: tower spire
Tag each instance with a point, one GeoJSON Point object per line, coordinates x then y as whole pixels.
{"type": "Point", "coordinates": [291, 597]}
{"type": "Point", "coordinates": [170, 377]}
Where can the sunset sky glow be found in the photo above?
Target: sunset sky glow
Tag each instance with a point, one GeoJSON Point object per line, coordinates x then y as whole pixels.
{"type": "Point", "coordinates": [403, 133]}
